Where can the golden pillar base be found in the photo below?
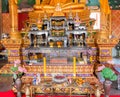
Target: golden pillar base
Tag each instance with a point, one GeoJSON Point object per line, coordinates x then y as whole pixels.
{"type": "Point", "coordinates": [105, 49]}
{"type": "Point", "coordinates": [15, 35]}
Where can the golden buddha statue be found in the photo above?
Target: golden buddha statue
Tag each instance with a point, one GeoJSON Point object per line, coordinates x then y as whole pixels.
{"type": "Point", "coordinates": [65, 5]}
{"type": "Point", "coordinates": [60, 8]}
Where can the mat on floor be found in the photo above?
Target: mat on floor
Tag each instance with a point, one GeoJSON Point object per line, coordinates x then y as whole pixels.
{"type": "Point", "coordinates": [73, 96]}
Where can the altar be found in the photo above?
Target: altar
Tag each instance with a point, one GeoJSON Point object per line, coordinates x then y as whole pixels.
{"type": "Point", "coordinates": [58, 39]}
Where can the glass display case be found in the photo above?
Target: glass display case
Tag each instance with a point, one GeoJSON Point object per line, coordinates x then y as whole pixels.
{"type": "Point", "coordinates": [58, 43]}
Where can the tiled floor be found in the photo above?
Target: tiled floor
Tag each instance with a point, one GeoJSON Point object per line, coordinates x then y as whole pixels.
{"type": "Point", "coordinates": [6, 82]}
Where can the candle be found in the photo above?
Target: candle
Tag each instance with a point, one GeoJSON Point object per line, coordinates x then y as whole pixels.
{"type": "Point", "coordinates": [74, 67]}
{"type": "Point", "coordinates": [44, 61]}
{"type": "Point", "coordinates": [91, 58]}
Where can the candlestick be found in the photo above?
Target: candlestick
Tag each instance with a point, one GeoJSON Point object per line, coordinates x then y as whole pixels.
{"type": "Point", "coordinates": [44, 61]}
{"type": "Point", "coordinates": [74, 67]}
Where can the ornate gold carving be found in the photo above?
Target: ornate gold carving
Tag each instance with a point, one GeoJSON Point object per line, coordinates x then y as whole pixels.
{"type": "Point", "coordinates": [106, 42]}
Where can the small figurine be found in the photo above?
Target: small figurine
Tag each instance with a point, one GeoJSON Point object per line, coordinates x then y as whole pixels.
{"type": "Point", "coordinates": [70, 80]}
{"type": "Point", "coordinates": [38, 79]}
{"type": "Point", "coordinates": [39, 40]}
{"type": "Point", "coordinates": [34, 80]}
{"type": "Point", "coordinates": [81, 41]}
{"type": "Point", "coordinates": [70, 42]}
{"type": "Point", "coordinates": [35, 41]}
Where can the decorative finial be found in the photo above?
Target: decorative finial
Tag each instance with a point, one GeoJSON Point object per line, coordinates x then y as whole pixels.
{"type": "Point", "coordinates": [45, 16]}
{"type": "Point", "coordinates": [70, 14]}
{"type": "Point", "coordinates": [77, 20]}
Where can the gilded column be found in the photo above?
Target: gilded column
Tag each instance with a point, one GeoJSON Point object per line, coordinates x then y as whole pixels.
{"type": "Point", "coordinates": [105, 23]}
{"type": "Point", "coordinates": [13, 11]}
{"type": "Point", "coordinates": [13, 44]}
{"type": "Point", "coordinates": [104, 42]}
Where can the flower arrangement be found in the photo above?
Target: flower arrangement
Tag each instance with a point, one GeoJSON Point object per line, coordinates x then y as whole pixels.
{"type": "Point", "coordinates": [18, 71]}
{"type": "Point", "coordinates": [106, 73]}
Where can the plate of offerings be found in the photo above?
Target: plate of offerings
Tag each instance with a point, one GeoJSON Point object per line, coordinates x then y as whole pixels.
{"type": "Point", "coordinates": [59, 78]}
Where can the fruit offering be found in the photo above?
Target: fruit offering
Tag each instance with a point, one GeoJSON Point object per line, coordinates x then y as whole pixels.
{"type": "Point", "coordinates": [80, 81]}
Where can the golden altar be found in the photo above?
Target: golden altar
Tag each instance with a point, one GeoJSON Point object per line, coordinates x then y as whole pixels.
{"type": "Point", "coordinates": [65, 24]}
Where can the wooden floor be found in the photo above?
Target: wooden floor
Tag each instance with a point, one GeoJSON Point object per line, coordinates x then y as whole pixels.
{"type": "Point", "coordinates": [6, 82]}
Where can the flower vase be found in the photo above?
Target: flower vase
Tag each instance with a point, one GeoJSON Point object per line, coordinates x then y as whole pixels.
{"type": "Point", "coordinates": [18, 85]}
{"type": "Point", "coordinates": [27, 90]}
{"type": "Point", "coordinates": [107, 87]}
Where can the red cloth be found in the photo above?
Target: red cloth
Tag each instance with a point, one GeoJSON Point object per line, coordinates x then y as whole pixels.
{"type": "Point", "coordinates": [73, 96]}
{"type": "Point", "coordinates": [21, 19]}
{"type": "Point", "coordinates": [9, 93]}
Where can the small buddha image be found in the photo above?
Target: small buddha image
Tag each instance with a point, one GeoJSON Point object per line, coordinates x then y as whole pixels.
{"type": "Point", "coordinates": [81, 58]}
{"type": "Point", "coordinates": [81, 41]}
{"type": "Point", "coordinates": [40, 40]}
{"type": "Point", "coordinates": [71, 26]}
{"type": "Point", "coordinates": [77, 40]}
{"type": "Point", "coordinates": [31, 56]}
{"type": "Point", "coordinates": [53, 23]}
{"type": "Point", "coordinates": [70, 40]}
{"type": "Point", "coordinates": [35, 41]}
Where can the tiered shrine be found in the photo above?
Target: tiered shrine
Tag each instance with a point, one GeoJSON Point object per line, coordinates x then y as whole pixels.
{"type": "Point", "coordinates": [57, 42]}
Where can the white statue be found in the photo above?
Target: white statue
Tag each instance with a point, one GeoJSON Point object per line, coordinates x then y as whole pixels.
{"type": "Point", "coordinates": [38, 79]}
